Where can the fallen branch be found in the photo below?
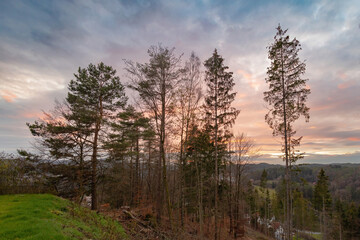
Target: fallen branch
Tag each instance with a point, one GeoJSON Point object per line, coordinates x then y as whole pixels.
{"type": "Point", "coordinates": [130, 215]}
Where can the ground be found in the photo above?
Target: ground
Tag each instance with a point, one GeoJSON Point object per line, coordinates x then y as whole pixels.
{"type": "Point", "coordinates": [44, 216]}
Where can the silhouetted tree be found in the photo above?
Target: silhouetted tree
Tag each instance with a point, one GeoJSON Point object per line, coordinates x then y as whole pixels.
{"type": "Point", "coordinates": [287, 96]}
{"type": "Point", "coordinates": [219, 113]}
{"type": "Point", "coordinates": [188, 97]}
{"type": "Point", "coordinates": [156, 82]}
{"type": "Point", "coordinates": [65, 141]}
{"type": "Point", "coordinates": [95, 96]}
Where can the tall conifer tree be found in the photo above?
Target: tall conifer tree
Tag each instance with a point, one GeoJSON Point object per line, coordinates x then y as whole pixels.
{"type": "Point", "coordinates": [322, 202]}
{"type": "Point", "coordinates": [287, 96]}
{"type": "Point", "coordinates": [219, 114]}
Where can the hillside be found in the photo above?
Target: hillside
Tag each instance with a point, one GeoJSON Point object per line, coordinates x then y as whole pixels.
{"type": "Point", "coordinates": [44, 216]}
{"type": "Point", "coordinates": [343, 178]}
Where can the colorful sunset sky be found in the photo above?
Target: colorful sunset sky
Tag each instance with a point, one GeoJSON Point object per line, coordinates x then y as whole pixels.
{"type": "Point", "coordinates": [42, 43]}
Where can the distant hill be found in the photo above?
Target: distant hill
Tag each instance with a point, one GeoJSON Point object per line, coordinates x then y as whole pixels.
{"type": "Point", "coordinates": [262, 166]}
{"type": "Point", "coordinates": [344, 178]}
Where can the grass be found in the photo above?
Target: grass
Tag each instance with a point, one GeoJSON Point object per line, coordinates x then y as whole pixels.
{"type": "Point", "coordinates": [315, 236]}
{"type": "Point", "coordinates": [44, 216]}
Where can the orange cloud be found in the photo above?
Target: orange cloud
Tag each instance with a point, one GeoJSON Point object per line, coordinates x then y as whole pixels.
{"type": "Point", "coordinates": [346, 84]}
{"type": "Point", "coordinates": [245, 74]}
{"type": "Point", "coordinates": [320, 108]}
{"type": "Point", "coordinates": [249, 78]}
{"type": "Point", "coordinates": [31, 115]}
{"type": "Point", "coordinates": [241, 95]}
{"type": "Point", "coordinates": [8, 96]}
{"type": "Point", "coordinates": [354, 139]}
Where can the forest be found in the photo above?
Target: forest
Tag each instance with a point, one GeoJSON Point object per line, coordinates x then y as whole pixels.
{"type": "Point", "coordinates": [161, 145]}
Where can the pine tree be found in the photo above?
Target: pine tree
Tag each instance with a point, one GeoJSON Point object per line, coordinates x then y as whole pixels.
{"type": "Point", "coordinates": [219, 113]}
{"type": "Point", "coordinates": [287, 95]}
{"type": "Point", "coordinates": [65, 141]}
{"type": "Point", "coordinates": [95, 96]}
{"type": "Point", "coordinates": [72, 130]}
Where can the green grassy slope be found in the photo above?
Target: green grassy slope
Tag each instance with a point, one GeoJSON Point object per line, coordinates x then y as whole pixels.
{"type": "Point", "coordinates": [44, 216]}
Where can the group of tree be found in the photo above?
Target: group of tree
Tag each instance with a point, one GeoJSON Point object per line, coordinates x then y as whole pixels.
{"type": "Point", "coordinates": [339, 219]}
{"type": "Point", "coordinates": [171, 142]}
{"type": "Point", "coordinates": [322, 211]}
{"type": "Point", "coordinates": [173, 149]}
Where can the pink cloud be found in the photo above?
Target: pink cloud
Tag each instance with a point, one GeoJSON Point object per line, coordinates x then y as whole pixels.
{"type": "Point", "coordinates": [28, 115]}
{"type": "Point", "coordinates": [31, 115]}
{"type": "Point", "coordinates": [354, 139]}
{"type": "Point", "coordinates": [342, 75]}
{"type": "Point", "coordinates": [245, 74]}
{"type": "Point", "coordinates": [251, 80]}
{"type": "Point", "coordinates": [346, 84]}
{"type": "Point", "coordinates": [8, 96]}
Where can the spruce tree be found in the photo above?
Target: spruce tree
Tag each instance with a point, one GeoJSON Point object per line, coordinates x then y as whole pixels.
{"type": "Point", "coordinates": [322, 202]}
{"type": "Point", "coordinates": [322, 197]}
{"type": "Point", "coordinates": [287, 97]}
{"type": "Point", "coordinates": [199, 151]}
{"type": "Point", "coordinates": [219, 114]}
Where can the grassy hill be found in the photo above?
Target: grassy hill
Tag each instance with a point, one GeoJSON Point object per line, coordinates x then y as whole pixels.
{"type": "Point", "coordinates": [44, 216]}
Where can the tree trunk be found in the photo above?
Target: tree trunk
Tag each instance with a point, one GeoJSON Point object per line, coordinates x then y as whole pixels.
{"type": "Point", "coordinates": [181, 164]}
{"type": "Point", "coordinates": [287, 177]}
{"type": "Point", "coordinates": [216, 164]}
{"type": "Point", "coordinates": [160, 194]}
{"type": "Point", "coordinates": [131, 176]}
{"type": "Point", "coordinates": [81, 175]}
{"type": "Point", "coordinates": [149, 182]}
{"type": "Point", "coordinates": [199, 197]}
{"type": "Point", "coordinates": [162, 150]}
{"type": "Point", "coordinates": [94, 161]}
{"type": "Point", "coordinates": [230, 202]}
{"type": "Point", "coordinates": [137, 172]}
{"type": "Point", "coordinates": [94, 169]}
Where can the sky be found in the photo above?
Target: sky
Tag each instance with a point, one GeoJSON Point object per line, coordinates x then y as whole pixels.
{"type": "Point", "coordinates": [42, 44]}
